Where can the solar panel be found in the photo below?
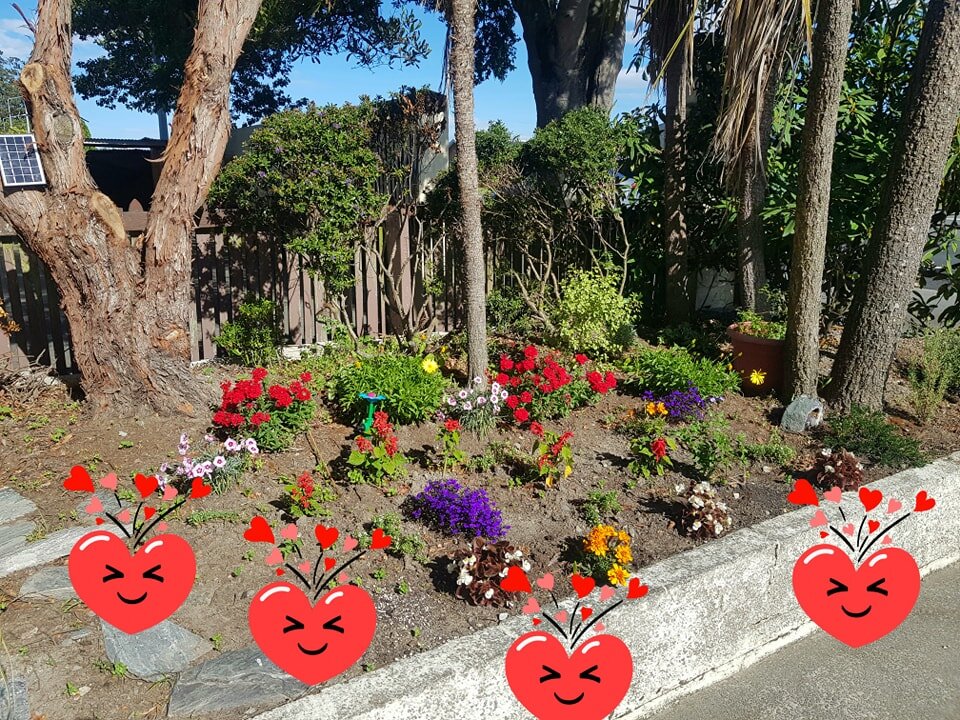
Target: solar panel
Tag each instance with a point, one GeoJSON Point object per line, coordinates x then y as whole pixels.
{"type": "Point", "coordinates": [20, 161]}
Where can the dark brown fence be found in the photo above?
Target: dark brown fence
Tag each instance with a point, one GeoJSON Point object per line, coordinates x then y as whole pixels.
{"type": "Point", "coordinates": [224, 272]}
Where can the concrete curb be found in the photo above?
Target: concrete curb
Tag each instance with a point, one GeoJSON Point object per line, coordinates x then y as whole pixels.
{"type": "Point", "coordinates": [710, 612]}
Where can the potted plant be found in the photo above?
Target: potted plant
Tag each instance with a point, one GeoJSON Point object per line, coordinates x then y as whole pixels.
{"type": "Point", "coordinates": [758, 352]}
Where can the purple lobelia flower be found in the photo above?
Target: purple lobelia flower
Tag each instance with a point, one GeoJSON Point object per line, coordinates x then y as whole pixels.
{"type": "Point", "coordinates": [681, 404]}
{"type": "Point", "coordinates": [457, 510]}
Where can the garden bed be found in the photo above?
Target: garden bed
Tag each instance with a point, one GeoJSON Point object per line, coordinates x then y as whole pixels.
{"type": "Point", "coordinates": [53, 643]}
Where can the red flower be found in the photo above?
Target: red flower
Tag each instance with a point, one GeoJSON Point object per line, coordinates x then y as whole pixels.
{"type": "Point", "coordinates": [305, 483]}
{"type": "Point", "coordinates": [280, 395]}
{"type": "Point", "coordinates": [506, 363]}
{"type": "Point", "coordinates": [502, 378]}
{"type": "Point", "coordinates": [528, 364]}
{"type": "Point", "coordinates": [259, 374]}
{"type": "Point", "coordinates": [390, 446]}
{"type": "Point", "coordinates": [452, 425]}
{"type": "Point", "coordinates": [530, 352]}
{"type": "Point", "coordinates": [364, 445]}
{"type": "Point", "coordinates": [381, 424]}
{"type": "Point", "coordinates": [536, 428]}
{"type": "Point", "coordinates": [521, 415]}
{"type": "Point", "coordinates": [258, 418]}
{"type": "Point", "coordinates": [659, 449]}
{"type": "Point", "coordinates": [611, 381]}
{"type": "Point", "coordinates": [514, 381]}
{"type": "Point", "coordinates": [306, 377]}
{"type": "Point", "coordinates": [512, 402]}
{"type": "Point", "coordinates": [526, 397]}
{"type": "Point", "coordinates": [303, 395]}
{"type": "Point", "coordinates": [582, 359]}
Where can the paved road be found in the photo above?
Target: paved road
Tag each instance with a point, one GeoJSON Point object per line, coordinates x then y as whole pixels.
{"type": "Point", "coordinates": [911, 674]}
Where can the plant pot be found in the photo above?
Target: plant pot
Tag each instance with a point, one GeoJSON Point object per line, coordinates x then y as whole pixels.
{"type": "Point", "coordinates": [753, 353]}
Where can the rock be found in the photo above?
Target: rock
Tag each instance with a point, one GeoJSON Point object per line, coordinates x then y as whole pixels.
{"type": "Point", "coordinates": [52, 547]}
{"type": "Point", "coordinates": [803, 413]}
{"type": "Point", "coordinates": [13, 699]}
{"type": "Point", "coordinates": [109, 502]}
{"type": "Point", "coordinates": [13, 505]}
{"type": "Point", "coordinates": [163, 649]}
{"type": "Point", "coordinates": [14, 537]}
{"type": "Point", "coordinates": [236, 679]}
{"type": "Point", "coordinates": [51, 583]}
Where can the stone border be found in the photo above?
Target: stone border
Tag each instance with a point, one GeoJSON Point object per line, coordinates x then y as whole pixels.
{"type": "Point", "coordinates": [711, 611]}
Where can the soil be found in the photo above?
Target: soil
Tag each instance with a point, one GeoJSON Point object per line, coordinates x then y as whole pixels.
{"type": "Point", "coordinates": [415, 602]}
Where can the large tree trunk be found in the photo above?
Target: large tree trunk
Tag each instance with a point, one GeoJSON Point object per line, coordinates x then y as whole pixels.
{"type": "Point", "coordinates": [574, 51]}
{"type": "Point", "coordinates": [802, 352]}
{"type": "Point", "coordinates": [462, 21]}
{"type": "Point", "coordinates": [127, 301]}
{"type": "Point", "coordinates": [913, 182]}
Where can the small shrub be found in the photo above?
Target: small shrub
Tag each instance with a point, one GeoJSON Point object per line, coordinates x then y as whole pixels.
{"type": "Point", "coordinates": [678, 405]}
{"type": "Point", "coordinates": [709, 443]}
{"type": "Point", "coordinates": [508, 314]}
{"type": "Point", "coordinates": [448, 441]}
{"type": "Point", "coordinates": [592, 316]}
{"type": "Point", "coordinates": [378, 460]}
{"type": "Point", "coordinates": [868, 434]}
{"type": "Point", "coordinates": [651, 448]}
{"type": "Point", "coordinates": [607, 554]}
{"type": "Point", "coordinates": [456, 510]}
{"type": "Point", "coordinates": [306, 497]}
{"type": "Point", "coordinates": [752, 323]}
{"type": "Point", "coordinates": [553, 456]}
{"type": "Point", "coordinates": [935, 372]}
{"type": "Point", "coordinates": [253, 337]}
{"type": "Point", "coordinates": [476, 407]}
{"type": "Point", "coordinates": [480, 568]}
{"type": "Point", "coordinates": [599, 505]}
{"type": "Point", "coordinates": [664, 370]}
{"type": "Point", "coordinates": [704, 516]}
{"type": "Point", "coordinates": [221, 465]}
{"type": "Point", "coordinates": [774, 450]}
{"type": "Point", "coordinates": [403, 544]}
{"type": "Point", "coordinates": [838, 468]}
{"type": "Point", "coordinates": [413, 393]}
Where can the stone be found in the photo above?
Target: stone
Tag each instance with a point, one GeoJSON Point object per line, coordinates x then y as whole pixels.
{"type": "Point", "coordinates": [51, 583]}
{"type": "Point", "coordinates": [52, 547]}
{"type": "Point", "coordinates": [158, 651]}
{"type": "Point", "coordinates": [13, 699]}
{"type": "Point", "coordinates": [236, 679]}
{"type": "Point", "coordinates": [803, 413]}
{"type": "Point", "coordinates": [13, 505]}
{"type": "Point", "coordinates": [13, 537]}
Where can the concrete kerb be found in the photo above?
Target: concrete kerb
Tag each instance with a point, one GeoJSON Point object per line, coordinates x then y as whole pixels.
{"type": "Point", "coordinates": [710, 612]}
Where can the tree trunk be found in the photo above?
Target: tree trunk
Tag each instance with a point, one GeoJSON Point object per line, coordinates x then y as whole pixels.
{"type": "Point", "coordinates": [127, 301]}
{"type": "Point", "coordinates": [574, 52]}
{"type": "Point", "coordinates": [802, 351]}
{"type": "Point", "coordinates": [462, 21]}
{"type": "Point", "coordinates": [913, 182]}
{"type": "Point", "coordinates": [678, 299]}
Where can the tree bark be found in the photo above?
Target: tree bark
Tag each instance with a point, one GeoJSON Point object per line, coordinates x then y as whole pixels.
{"type": "Point", "coordinates": [462, 37]}
{"type": "Point", "coordinates": [802, 351]}
{"type": "Point", "coordinates": [913, 182]}
{"type": "Point", "coordinates": [574, 52]}
{"type": "Point", "coordinates": [128, 304]}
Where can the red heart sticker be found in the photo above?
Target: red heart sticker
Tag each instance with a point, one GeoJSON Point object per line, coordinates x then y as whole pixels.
{"type": "Point", "coordinates": [145, 484]}
{"type": "Point", "coordinates": [379, 541]}
{"type": "Point", "coordinates": [326, 536]}
{"type": "Point", "coordinates": [198, 489]}
{"type": "Point", "coordinates": [585, 613]}
{"type": "Point", "coordinates": [132, 592]}
{"type": "Point", "coordinates": [149, 512]}
{"type": "Point", "coordinates": [312, 643]}
{"type": "Point", "coordinates": [328, 564]}
{"type": "Point", "coordinates": [872, 526]}
{"type": "Point", "coordinates": [856, 605]}
{"type": "Point", "coordinates": [516, 580]}
{"type": "Point", "coordinates": [803, 493]}
{"type": "Point", "coordinates": [823, 534]}
{"type": "Point", "coordinates": [536, 621]}
{"type": "Point", "coordinates": [923, 502]}
{"type": "Point", "coordinates": [635, 590]}
{"type": "Point", "coordinates": [870, 498]}
{"type": "Point", "coordinates": [586, 685]}
{"type": "Point", "coordinates": [583, 586]}
{"type": "Point", "coordinates": [79, 480]}
{"type": "Point", "coordinates": [259, 531]}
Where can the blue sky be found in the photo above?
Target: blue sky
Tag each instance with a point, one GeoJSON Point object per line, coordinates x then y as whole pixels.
{"type": "Point", "coordinates": [335, 79]}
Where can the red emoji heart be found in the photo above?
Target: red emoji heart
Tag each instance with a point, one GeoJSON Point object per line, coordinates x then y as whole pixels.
{"type": "Point", "coordinates": [583, 586]}
{"type": "Point", "coordinates": [259, 531]}
{"type": "Point", "coordinates": [872, 526]}
{"type": "Point", "coordinates": [132, 592]}
{"type": "Point", "coordinates": [516, 580]}
{"type": "Point", "coordinates": [803, 493]}
{"type": "Point", "coordinates": [312, 643]}
{"type": "Point", "coordinates": [635, 590]}
{"type": "Point", "coordinates": [870, 498]}
{"type": "Point", "coordinates": [823, 534]}
{"type": "Point", "coordinates": [585, 613]}
{"type": "Point", "coordinates": [199, 490]}
{"type": "Point", "coordinates": [79, 480]}
{"type": "Point", "coordinates": [924, 502]}
{"type": "Point", "coordinates": [379, 541]}
{"type": "Point", "coordinates": [149, 512]}
{"type": "Point", "coordinates": [536, 621]}
{"type": "Point", "coordinates": [587, 685]}
{"type": "Point", "coordinates": [326, 536]}
{"type": "Point", "coordinates": [145, 484]}
{"type": "Point", "coordinates": [856, 605]}
{"type": "Point", "coordinates": [328, 564]}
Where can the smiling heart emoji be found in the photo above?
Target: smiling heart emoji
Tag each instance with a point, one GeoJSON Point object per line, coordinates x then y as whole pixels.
{"type": "Point", "coordinates": [312, 643]}
{"type": "Point", "coordinates": [586, 685]}
{"type": "Point", "coordinates": [856, 605]}
{"type": "Point", "coordinates": [132, 592]}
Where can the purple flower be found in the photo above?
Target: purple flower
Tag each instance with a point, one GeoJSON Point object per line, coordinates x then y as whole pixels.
{"type": "Point", "coordinates": [681, 404]}
{"type": "Point", "coordinates": [457, 510]}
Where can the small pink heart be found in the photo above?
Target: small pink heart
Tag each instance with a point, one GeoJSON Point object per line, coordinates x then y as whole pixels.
{"type": "Point", "coordinates": [162, 525]}
{"type": "Point", "coordinates": [546, 582]}
{"type": "Point", "coordinates": [343, 578]}
{"type": "Point", "coordinates": [606, 592]}
{"type": "Point", "coordinates": [94, 506]}
{"type": "Point", "coordinates": [532, 607]}
{"type": "Point", "coordinates": [349, 543]}
{"type": "Point", "coordinates": [109, 481]}
{"type": "Point", "coordinates": [304, 567]}
{"type": "Point", "coordinates": [599, 627]}
{"type": "Point", "coordinates": [562, 616]}
{"type": "Point", "coordinates": [886, 540]}
{"type": "Point", "coordinates": [169, 493]}
{"type": "Point", "coordinates": [124, 516]}
{"type": "Point", "coordinates": [893, 506]}
{"type": "Point", "coordinates": [819, 518]}
{"type": "Point", "coordinates": [274, 558]}
{"type": "Point", "coordinates": [849, 529]}
{"type": "Point", "coordinates": [289, 532]}
{"type": "Point", "coordinates": [834, 495]}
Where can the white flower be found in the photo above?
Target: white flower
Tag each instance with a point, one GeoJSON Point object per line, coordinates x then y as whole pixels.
{"type": "Point", "coordinates": [679, 487]}
{"type": "Point", "coordinates": [717, 529]}
{"type": "Point", "coordinates": [251, 446]}
{"type": "Point", "coordinates": [451, 567]}
{"type": "Point", "coordinates": [481, 400]}
{"type": "Point", "coordinates": [219, 461]}
{"type": "Point", "coordinates": [184, 440]}
{"type": "Point", "coordinates": [525, 565]}
{"type": "Point", "coordinates": [829, 468]}
{"type": "Point", "coordinates": [503, 573]}
{"type": "Point", "coordinates": [452, 401]}
{"type": "Point", "coordinates": [515, 555]}
{"type": "Point", "coordinates": [826, 452]}
{"type": "Point", "coordinates": [470, 561]}
{"type": "Point", "coordinates": [859, 466]}
{"type": "Point", "coordinates": [696, 501]}
{"type": "Point", "coordinates": [467, 406]}
{"type": "Point", "coordinates": [478, 380]}
{"type": "Point", "coordinates": [464, 578]}
{"type": "Point", "coordinates": [503, 394]}
{"type": "Point", "coordinates": [208, 438]}
{"type": "Point", "coordinates": [495, 388]}
{"type": "Point", "coordinates": [231, 445]}
{"type": "Point", "coordinates": [488, 594]}
{"type": "Point", "coordinates": [696, 525]}
{"type": "Point", "coordinates": [462, 394]}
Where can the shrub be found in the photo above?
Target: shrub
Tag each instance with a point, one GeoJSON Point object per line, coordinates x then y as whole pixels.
{"type": "Point", "coordinates": [774, 450]}
{"type": "Point", "coordinates": [456, 510]}
{"type": "Point", "coordinates": [607, 554]}
{"type": "Point", "coordinates": [704, 516]}
{"type": "Point", "coordinates": [253, 338]}
{"type": "Point", "coordinates": [220, 465]}
{"type": "Point", "coordinates": [651, 448]}
{"type": "Point", "coordinates": [553, 454]}
{"type": "Point", "coordinates": [403, 544]}
{"type": "Point", "coordinates": [868, 434]}
{"type": "Point", "coordinates": [476, 407]}
{"type": "Point", "coordinates": [306, 497]}
{"type": "Point", "coordinates": [508, 314]}
{"type": "Point", "coordinates": [480, 568]}
{"type": "Point", "coordinates": [838, 468]}
{"type": "Point", "coordinates": [600, 504]}
{"type": "Point", "coordinates": [592, 316]}
{"type": "Point", "coordinates": [663, 370]}
{"type": "Point", "coordinates": [752, 323]}
{"type": "Point", "coordinates": [677, 405]}
{"type": "Point", "coordinates": [935, 372]}
{"type": "Point", "coordinates": [412, 393]}
{"type": "Point", "coordinates": [379, 459]}
{"type": "Point", "coordinates": [710, 444]}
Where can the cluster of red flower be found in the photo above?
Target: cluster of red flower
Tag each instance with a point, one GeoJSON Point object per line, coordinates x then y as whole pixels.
{"type": "Point", "coordinates": [305, 483]}
{"type": "Point", "coordinates": [384, 432]}
{"type": "Point", "coordinates": [242, 401]}
{"type": "Point", "coordinates": [601, 383]}
{"type": "Point", "coordinates": [452, 425]}
{"type": "Point", "coordinates": [551, 457]}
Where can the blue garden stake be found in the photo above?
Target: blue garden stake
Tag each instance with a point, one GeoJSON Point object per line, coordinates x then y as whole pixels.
{"type": "Point", "coordinates": [372, 399]}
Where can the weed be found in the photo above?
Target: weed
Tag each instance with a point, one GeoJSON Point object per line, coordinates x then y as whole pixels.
{"type": "Point", "coordinates": [58, 435]}
{"type": "Point", "coordinates": [201, 517]}
{"type": "Point", "coordinates": [72, 690]}
{"type": "Point", "coordinates": [125, 444]}
{"type": "Point", "coordinates": [403, 587]}
{"type": "Point", "coordinates": [217, 641]}
{"type": "Point", "coordinates": [599, 505]}
{"type": "Point", "coordinates": [379, 574]}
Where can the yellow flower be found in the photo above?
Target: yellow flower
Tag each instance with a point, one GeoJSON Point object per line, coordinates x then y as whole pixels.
{"type": "Point", "coordinates": [358, 364]}
{"type": "Point", "coordinates": [661, 408]}
{"type": "Point", "coordinates": [443, 350]}
{"type": "Point", "coordinates": [623, 554]}
{"type": "Point", "coordinates": [729, 366]}
{"type": "Point", "coordinates": [623, 536]}
{"type": "Point", "coordinates": [429, 365]}
{"type": "Point", "coordinates": [567, 471]}
{"type": "Point", "coordinates": [651, 408]}
{"type": "Point", "coordinates": [757, 377]}
{"type": "Point", "coordinates": [617, 575]}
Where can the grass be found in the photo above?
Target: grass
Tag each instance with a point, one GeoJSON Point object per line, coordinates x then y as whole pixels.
{"type": "Point", "coordinates": [598, 505]}
{"type": "Point", "coordinates": [868, 434]}
{"type": "Point", "coordinates": [202, 517]}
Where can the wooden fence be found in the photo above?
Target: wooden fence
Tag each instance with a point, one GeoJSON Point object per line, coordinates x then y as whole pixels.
{"type": "Point", "coordinates": [224, 272]}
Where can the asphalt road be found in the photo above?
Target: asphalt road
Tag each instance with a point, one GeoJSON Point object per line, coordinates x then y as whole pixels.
{"type": "Point", "coordinates": [911, 674]}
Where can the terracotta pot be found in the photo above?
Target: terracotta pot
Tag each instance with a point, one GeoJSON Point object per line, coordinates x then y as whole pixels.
{"type": "Point", "coordinates": [753, 353]}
